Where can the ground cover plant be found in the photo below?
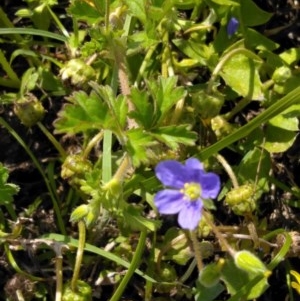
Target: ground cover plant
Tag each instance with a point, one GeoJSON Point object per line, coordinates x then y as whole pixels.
{"type": "Point", "coordinates": [149, 150]}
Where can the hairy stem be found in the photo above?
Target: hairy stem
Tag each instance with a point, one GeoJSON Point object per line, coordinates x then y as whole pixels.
{"type": "Point", "coordinates": [79, 255]}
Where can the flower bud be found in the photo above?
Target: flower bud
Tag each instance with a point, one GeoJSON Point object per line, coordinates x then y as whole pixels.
{"type": "Point", "coordinates": [79, 213]}
{"type": "Point", "coordinates": [78, 72]}
{"type": "Point", "coordinates": [241, 199]}
{"type": "Point", "coordinates": [29, 110]}
{"type": "Point", "coordinates": [208, 105]}
{"type": "Point", "coordinates": [83, 292]}
{"type": "Point", "coordinates": [249, 263]}
{"type": "Point", "coordinates": [232, 26]}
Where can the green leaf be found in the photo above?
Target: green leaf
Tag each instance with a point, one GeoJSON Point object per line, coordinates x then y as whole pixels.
{"type": "Point", "coordinates": [203, 54]}
{"type": "Point", "coordinates": [137, 9]}
{"type": "Point", "coordinates": [248, 169]}
{"type": "Point", "coordinates": [256, 40]}
{"type": "Point", "coordinates": [7, 190]}
{"type": "Point", "coordinates": [241, 74]}
{"type": "Point", "coordinates": [133, 217]}
{"type": "Point", "coordinates": [258, 16]}
{"type": "Point", "coordinates": [172, 135]}
{"type": "Point", "coordinates": [236, 281]}
{"type": "Point", "coordinates": [166, 95]}
{"type": "Point", "coordinates": [290, 56]}
{"type": "Point", "coordinates": [82, 11]}
{"type": "Point", "coordinates": [137, 143]}
{"type": "Point", "coordinates": [208, 293]}
{"type": "Point", "coordinates": [278, 140]}
{"type": "Point", "coordinates": [143, 112]}
{"type": "Point", "coordinates": [83, 113]}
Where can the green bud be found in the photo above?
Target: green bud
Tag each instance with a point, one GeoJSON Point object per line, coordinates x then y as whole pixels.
{"type": "Point", "coordinates": [75, 166]}
{"type": "Point", "coordinates": [78, 72]}
{"type": "Point", "coordinates": [249, 263]}
{"type": "Point", "coordinates": [241, 199]}
{"type": "Point", "coordinates": [209, 276]}
{"type": "Point", "coordinates": [83, 292]}
{"type": "Point", "coordinates": [29, 110]}
{"type": "Point", "coordinates": [168, 275]}
{"type": "Point", "coordinates": [281, 75]}
{"type": "Point", "coordinates": [79, 213]}
{"type": "Point", "coordinates": [208, 105]}
{"type": "Point", "coordinates": [24, 13]}
{"type": "Point", "coordinates": [203, 228]}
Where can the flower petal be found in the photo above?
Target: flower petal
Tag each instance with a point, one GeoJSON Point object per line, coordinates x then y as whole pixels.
{"type": "Point", "coordinates": [169, 201]}
{"type": "Point", "coordinates": [210, 184]}
{"type": "Point", "coordinates": [190, 215]}
{"type": "Point", "coordinates": [171, 173]}
{"type": "Point", "coordinates": [193, 163]}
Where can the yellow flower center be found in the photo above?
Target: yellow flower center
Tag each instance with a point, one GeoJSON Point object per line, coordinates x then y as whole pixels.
{"type": "Point", "coordinates": [192, 191]}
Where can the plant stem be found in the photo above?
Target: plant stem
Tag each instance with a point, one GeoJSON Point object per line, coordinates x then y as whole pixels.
{"type": "Point", "coordinates": [92, 143]}
{"type": "Point", "coordinates": [229, 170]}
{"type": "Point", "coordinates": [220, 237]}
{"type": "Point", "coordinates": [134, 264]}
{"type": "Point", "coordinates": [59, 277]}
{"type": "Point", "coordinates": [79, 254]}
{"type": "Point", "coordinates": [197, 250]}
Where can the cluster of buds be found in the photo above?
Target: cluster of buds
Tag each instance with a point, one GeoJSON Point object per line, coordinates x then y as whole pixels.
{"type": "Point", "coordinates": [242, 199]}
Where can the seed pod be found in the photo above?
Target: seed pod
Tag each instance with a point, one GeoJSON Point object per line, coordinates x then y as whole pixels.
{"type": "Point", "coordinates": [78, 72]}
{"type": "Point", "coordinates": [75, 166]}
{"type": "Point", "coordinates": [242, 199]}
{"type": "Point", "coordinates": [29, 110]}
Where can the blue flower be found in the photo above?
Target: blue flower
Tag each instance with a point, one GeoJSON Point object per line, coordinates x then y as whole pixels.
{"type": "Point", "coordinates": [186, 187]}
{"type": "Point", "coordinates": [232, 26]}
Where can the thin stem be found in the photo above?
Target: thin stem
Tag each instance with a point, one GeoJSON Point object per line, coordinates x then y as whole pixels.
{"type": "Point", "coordinates": [107, 2]}
{"type": "Point", "coordinates": [59, 277]}
{"type": "Point", "coordinates": [197, 250]}
{"type": "Point", "coordinates": [79, 254]}
{"type": "Point", "coordinates": [124, 167]}
{"type": "Point", "coordinates": [92, 143]}
{"type": "Point", "coordinates": [134, 264]}
{"type": "Point", "coordinates": [189, 271]}
{"type": "Point", "coordinates": [218, 234]}
{"type": "Point", "coordinates": [229, 170]}
{"type": "Point", "coordinates": [53, 140]}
